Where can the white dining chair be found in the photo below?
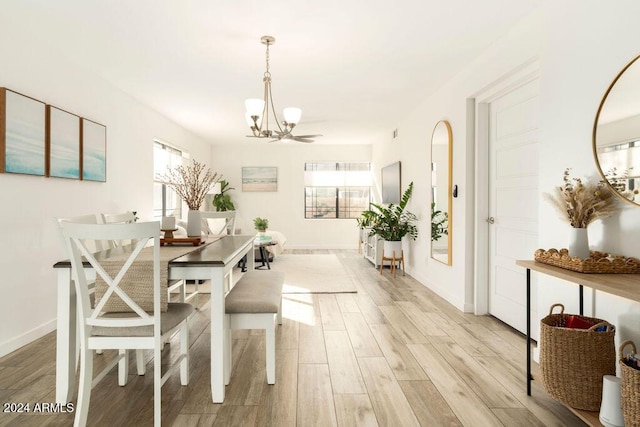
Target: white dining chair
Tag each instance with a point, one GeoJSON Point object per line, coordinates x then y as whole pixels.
{"type": "Point", "coordinates": [127, 218]}
{"type": "Point", "coordinates": [118, 218]}
{"type": "Point", "coordinates": [138, 329]}
{"type": "Point", "coordinates": [93, 245]}
{"type": "Point", "coordinates": [227, 222]}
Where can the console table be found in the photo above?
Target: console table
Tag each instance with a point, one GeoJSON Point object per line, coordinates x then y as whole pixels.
{"type": "Point", "coordinates": [622, 285]}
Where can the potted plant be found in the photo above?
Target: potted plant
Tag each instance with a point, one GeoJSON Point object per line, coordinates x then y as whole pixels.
{"type": "Point", "coordinates": [364, 222]}
{"type": "Point", "coordinates": [366, 219]}
{"type": "Point", "coordinates": [392, 222]}
{"type": "Point", "coordinates": [221, 201]}
{"type": "Point", "coordinates": [191, 183]}
{"type": "Point", "coordinates": [261, 224]}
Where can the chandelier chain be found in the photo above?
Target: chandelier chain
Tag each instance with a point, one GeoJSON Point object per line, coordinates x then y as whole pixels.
{"type": "Point", "coordinates": [267, 73]}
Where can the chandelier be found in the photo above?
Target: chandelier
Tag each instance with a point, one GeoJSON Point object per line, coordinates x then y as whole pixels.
{"type": "Point", "coordinates": [259, 111]}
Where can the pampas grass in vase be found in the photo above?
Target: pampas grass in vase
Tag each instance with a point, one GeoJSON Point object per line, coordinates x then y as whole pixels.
{"type": "Point", "coordinates": [581, 202]}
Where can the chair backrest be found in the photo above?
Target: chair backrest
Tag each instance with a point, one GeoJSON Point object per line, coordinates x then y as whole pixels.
{"type": "Point", "coordinates": [114, 272]}
{"type": "Point", "coordinates": [229, 218]}
{"type": "Point", "coordinates": [94, 246]}
{"type": "Point", "coordinates": [119, 218]}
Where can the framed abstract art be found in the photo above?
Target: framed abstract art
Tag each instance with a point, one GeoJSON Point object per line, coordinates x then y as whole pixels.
{"type": "Point", "coordinates": [63, 144]}
{"type": "Point", "coordinates": [260, 178]}
{"type": "Point", "coordinates": [22, 134]}
{"type": "Point", "coordinates": [94, 151]}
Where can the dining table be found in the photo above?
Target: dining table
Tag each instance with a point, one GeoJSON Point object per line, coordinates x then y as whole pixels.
{"type": "Point", "coordinates": [214, 261]}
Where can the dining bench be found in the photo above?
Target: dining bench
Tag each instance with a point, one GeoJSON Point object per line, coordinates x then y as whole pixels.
{"type": "Point", "coordinates": [255, 302]}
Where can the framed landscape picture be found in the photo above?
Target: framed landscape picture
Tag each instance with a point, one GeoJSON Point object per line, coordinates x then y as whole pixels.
{"type": "Point", "coordinates": [22, 134]}
{"type": "Point", "coordinates": [94, 151]}
{"type": "Point", "coordinates": [260, 178]}
{"type": "Point", "coordinates": [63, 144]}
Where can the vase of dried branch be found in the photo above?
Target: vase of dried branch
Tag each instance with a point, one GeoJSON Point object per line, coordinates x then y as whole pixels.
{"type": "Point", "coordinates": [579, 243]}
{"type": "Point", "coordinates": [194, 223]}
{"type": "Point", "coordinates": [191, 183]}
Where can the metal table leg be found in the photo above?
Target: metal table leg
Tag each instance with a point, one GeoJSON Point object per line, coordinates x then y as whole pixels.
{"type": "Point", "coordinates": [528, 332]}
{"type": "Point", "coordinates": [581, 293]}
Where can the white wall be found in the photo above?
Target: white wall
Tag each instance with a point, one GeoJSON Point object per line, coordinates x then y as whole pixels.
{"type": "Point", "coordinates": [30, 244]}
{"type": "Point", "coordinates": [580, 47]}
{"type": "Point", "coordinates": [285, 208]}
{"type": "Point", "coordinates": [578, 67]}
{"type": "Point", "coordinates": [454, 283]}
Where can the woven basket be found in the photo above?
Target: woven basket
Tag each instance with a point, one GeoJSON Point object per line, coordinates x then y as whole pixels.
{"type": "Point", "coordinates": [573, 361]}
{"type": "Point", "coordinates": [630, 388]}
{"type": "Point", "coordinates": [598, 262]}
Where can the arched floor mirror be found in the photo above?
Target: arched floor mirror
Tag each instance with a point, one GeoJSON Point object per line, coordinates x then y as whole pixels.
{"type": "Point", "coordinates": [441, 187]}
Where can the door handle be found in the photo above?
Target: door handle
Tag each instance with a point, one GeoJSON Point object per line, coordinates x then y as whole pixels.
{"type": "Point", "coordinates": [491, 220]}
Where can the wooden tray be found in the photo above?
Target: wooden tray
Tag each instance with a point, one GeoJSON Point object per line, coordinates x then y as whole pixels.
{"type": "Point", "coordinates": [195, 241]}
{"type": "Point", "coordinates": [598, 262]}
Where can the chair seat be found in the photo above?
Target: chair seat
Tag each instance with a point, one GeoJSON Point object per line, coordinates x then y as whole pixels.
{"type": "Point", "coordinates": [175, 314]}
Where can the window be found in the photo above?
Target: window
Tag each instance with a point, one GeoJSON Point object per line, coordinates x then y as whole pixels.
{"type": "Point", "coordinates": [165, 201]}
{"type": "Point", "coordinates": [336, 190]}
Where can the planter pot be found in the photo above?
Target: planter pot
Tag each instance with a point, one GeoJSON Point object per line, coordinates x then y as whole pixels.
{"type": "Point", "coordinates": [579, 243]}
{"type": "Point", "coordinates": [194, 224]}
{"type": "Point", "coordinates": [261, 232]}
{"type": "Point", "coordinates": [393, 248]}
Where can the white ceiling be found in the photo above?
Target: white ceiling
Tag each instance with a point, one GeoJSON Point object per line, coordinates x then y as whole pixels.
{"type": "Point", "coordinates": [354, 67]}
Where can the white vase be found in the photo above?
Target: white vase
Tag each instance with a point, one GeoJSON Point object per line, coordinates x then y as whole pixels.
{"type": "Point", "coordinates": [392, 248]}
{"type": "Point", "coordinates": [579, 243]}
{"type": "Point", "coordinates": [194, 224]}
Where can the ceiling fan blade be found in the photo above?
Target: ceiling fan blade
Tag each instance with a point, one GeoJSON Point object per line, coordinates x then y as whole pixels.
{"type": "Point", "coordinates": [308, 136]}
{"type": "Point", "coordinates": [301, 139]}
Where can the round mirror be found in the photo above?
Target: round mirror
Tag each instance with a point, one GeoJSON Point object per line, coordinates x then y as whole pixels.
{"type": "Point", "coordinates": [616, 134]}
{"type": "Point", "coordinates": [441, 161]}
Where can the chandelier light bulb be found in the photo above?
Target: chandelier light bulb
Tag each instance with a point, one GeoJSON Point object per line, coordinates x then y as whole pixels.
{"type": "Point", "coordinates": [292, 114]}
{"type": "Point", "coordinates": [254, 106]}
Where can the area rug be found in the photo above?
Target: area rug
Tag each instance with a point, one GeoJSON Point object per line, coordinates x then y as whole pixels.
{"type": "Point", "coordinates": [313, 274]}
{"type": "Point", "coordinates": [304, 274]}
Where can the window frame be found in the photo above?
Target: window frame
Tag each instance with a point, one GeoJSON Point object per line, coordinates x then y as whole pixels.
{"type": "Point", "coordinates": [339, 203]}
{"type": "Point", "coordinates": [165, 189]}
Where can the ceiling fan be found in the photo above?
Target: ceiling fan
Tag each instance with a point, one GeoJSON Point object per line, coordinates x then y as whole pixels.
{"type": "Point", "coordinates": [258, 111]}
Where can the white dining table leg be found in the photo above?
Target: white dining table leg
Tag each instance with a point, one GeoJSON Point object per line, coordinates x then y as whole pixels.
{"type": "Point", "coordinates": [218, 328]}
{"type": "Point", "coordinates": [65, 337]}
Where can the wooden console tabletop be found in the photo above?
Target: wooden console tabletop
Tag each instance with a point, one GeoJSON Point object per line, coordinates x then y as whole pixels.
{"type": "Point", "coordinates": [622, 285]}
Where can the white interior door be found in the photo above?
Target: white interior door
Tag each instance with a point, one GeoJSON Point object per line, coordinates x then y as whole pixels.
{"type": "Point", "coordinates": [513, 201]}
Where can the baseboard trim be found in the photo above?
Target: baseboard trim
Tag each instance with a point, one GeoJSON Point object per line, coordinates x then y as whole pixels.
{"type": "Point", "coordinates": [15, 343]}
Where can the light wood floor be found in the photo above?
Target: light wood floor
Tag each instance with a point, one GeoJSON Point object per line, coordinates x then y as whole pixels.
{"type": "Point", "coordinates": [394, 354]}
